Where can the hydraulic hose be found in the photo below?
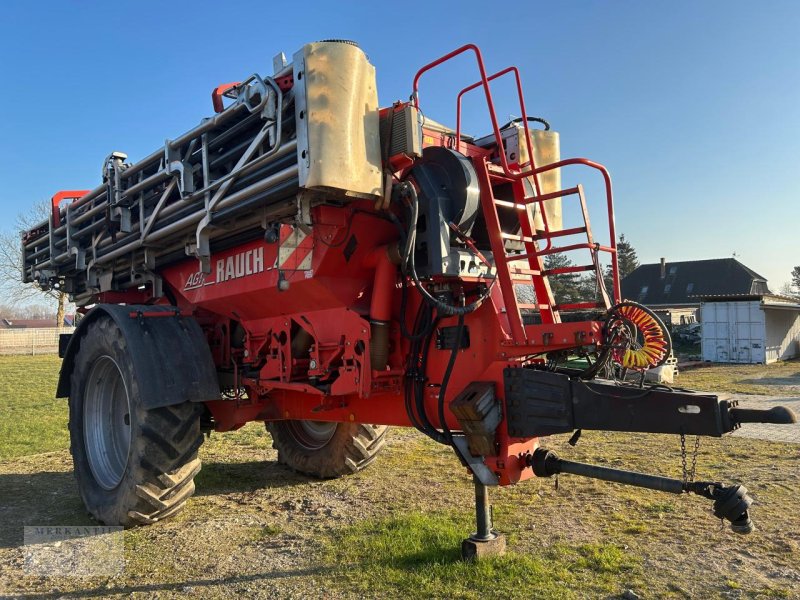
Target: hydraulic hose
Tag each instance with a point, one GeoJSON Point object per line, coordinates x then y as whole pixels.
{"type": "Point", "coordinates": [656, 344]}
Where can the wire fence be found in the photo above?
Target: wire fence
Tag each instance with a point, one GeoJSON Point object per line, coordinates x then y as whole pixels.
{"type": "Point", "coordinates": [31, 341]}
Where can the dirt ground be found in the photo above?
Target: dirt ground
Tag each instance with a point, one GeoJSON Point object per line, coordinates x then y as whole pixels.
{"type": "Point", "coordinates": [256, 529]}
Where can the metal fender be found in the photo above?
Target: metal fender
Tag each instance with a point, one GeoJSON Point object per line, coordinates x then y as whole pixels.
{"type": "Point", "coordinates": [170, 355]}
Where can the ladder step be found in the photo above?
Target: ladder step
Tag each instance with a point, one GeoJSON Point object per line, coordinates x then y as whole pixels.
{"type": "Point", "coordinates": [509, 204]}
{"type": "Point", "coordinates": [563, 270]}
{"type": "Point", "coordinates": [516, 238]}
{"type": "Point", "coordinates": [559, 194]}
{"type": "Point", "coordinates": [579, 306]}
{"type": "Point", "coordinates": [512, 258]}
{"type": "Point", "coordinates": [569, 248]}
{"type": "Point", "coordinates": [543, 235]}
{"type": "Point", "coordinates": [496, 173]}
{"type": "Point", "coordinates": [534, 306]}
{"type": "Point", "coordinates": [547, 235]}
{"type": "Point", "coordinates": [522, 271]}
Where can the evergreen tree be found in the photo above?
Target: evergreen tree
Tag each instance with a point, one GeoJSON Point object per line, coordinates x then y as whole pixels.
{"type": "Point", "coordinates": [627, 261]}
{"type": "Point", "coordinates": [565, 286]}
{"type": "Point", "coordinates": [576, 287]}
{"type": "Point", "coordinates": [626, 257]}
{"type": "Point", "coordinates": [796, 279]}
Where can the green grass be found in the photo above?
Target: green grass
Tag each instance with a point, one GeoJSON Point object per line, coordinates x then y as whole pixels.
{"type": "Point", "coordinates": [32, 420]}
{"type": "Point", "coordinates": [771, 592]}
{"type": "Point", "coordinates": [417, 556]}
{"type": "Point", "coordinates": [264, 532]}
{"type": "Point", "coordinates": [780, 378]}
{"type": "Point", "coordinates": [410, 511]}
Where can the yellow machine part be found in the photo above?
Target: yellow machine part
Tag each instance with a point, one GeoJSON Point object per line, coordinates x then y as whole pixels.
{"type": "Point", "coordinates": [342, 145]}
{"type": "Point", "coordinates": [546, 150]}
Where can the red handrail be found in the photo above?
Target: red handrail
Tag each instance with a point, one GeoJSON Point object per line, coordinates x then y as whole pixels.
{"type": "Point", "coordinates": [58, 197]}
{"type": "Point", "coordinates": [533, 171]}
{"type": "Point", "coordinates": [489, 101]}
{"type": "Point", "coordinates": [612, 230]}
{"type": "Point", "coordinates": [528, 142]}
{"type": "Point", "coordinates": [218, 92]}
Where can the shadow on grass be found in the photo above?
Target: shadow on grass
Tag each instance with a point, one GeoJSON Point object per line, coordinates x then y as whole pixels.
{"type": "Point", "coordinates": [788, 380]}
{"type": "Point", "coordinates": [151, 589]}
{"type": "Point", "coordinates": [51, 498]}
{"type": "Point", "coordinates": [227, 478]}
{"type": "Point", "coordinates": [45, 498]}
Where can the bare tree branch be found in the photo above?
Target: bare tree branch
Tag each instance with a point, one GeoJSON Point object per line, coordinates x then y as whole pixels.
{"type": "Point", "coordinates": [20, 295]}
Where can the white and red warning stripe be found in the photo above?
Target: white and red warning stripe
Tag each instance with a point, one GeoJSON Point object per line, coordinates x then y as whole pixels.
{"type": "Point", "coordinates": [296, 249]}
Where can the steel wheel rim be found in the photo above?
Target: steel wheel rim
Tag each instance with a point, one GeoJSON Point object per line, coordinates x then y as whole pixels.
{"type": "Point", "coordinates": [106, 422]}
{"type": "Point", "coordinates": [313, 435]}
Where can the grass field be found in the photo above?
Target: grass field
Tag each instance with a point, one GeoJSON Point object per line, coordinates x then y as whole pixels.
{"type": "Point", "coordinates": [393, 530]}
{"type": "Point", "coordinates": [777, 379]}
{"type": "Point", "coordinates": [32, 420]}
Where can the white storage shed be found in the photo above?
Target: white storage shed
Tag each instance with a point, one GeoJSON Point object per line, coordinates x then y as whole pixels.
{"type": "Point", "coordinates": [749, 329]}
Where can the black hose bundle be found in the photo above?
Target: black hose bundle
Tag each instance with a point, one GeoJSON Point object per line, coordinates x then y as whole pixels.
{"type": "Point", "coordinates": [408, 265]}
{"type": "Point", "coordinates": [431, 311]}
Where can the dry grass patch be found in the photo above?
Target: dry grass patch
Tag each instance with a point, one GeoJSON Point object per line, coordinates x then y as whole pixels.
{"type": "Point", "coordinates": [777, 379]}
{"type": "Point", "coordinates": [256, 529]}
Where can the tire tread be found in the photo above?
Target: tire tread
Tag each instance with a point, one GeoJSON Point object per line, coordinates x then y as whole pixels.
{"type": "Point", "coordinates": [164, 455]}
{"type": "Point", "coordinates": [353, 447]}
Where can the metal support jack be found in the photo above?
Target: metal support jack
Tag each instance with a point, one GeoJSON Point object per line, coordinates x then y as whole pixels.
{"type": "Point", "coordinates": [486, 541]}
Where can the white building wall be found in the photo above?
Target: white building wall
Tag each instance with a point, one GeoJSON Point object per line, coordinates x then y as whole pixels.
{"type": "Point", "coordinates": [783, 333]}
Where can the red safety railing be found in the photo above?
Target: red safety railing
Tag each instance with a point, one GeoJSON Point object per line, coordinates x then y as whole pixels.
{"type": "Point", "coordinates": [484, 81]}
{"type": "Point", "coordinates": [59, 197]}
{"type": "Point", "coordinates": [612, 228]}
{"type": "Point", "coordinates": [528, 139]}
{"type": "Point", "coordinates": [504, 160]}
{"type": "Point", "coordinates": [529, 169]}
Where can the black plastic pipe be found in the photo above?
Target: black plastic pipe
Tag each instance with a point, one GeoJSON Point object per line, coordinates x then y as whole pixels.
{"type": "Point", "coordinates": [547, 463]}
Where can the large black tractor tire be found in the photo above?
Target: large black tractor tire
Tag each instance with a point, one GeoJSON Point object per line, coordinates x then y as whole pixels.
{"type": "Point", "coordinates": [134, 466]}
{"type": "Point", "coordinates": [326, 450]}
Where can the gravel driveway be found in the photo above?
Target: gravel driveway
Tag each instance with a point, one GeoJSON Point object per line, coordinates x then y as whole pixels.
{"type": "Point", "coordinates": [763, 431]}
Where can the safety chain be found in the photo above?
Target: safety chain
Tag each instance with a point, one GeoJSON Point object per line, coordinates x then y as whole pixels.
{"type": "Point", "coordinates": [688, 474]}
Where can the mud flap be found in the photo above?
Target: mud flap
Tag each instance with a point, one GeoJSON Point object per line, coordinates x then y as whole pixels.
{"type": "Point", "coordinates": [171, 358]}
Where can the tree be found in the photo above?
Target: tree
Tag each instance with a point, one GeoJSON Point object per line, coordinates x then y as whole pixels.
{"type": "Point", "coordinates": [627, 261]}
{"type": "Point", "coordinates": [796, 279]}
{"type": "Point", "coordinates": [787, 289]}
{"type": "Point", "coordinates": [626, 257]}
{"type": "Point", "coordinates": [19, 294]}
{"type": "Point", "coordinates": [566, 287]}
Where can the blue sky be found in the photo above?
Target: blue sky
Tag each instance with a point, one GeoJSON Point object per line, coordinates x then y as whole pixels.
{"type": "Point", "coordinates": [693, 106]}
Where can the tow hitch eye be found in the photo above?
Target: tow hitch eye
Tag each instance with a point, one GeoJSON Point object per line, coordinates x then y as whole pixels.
{"type": "Point", "coordinates": [731, 502]}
